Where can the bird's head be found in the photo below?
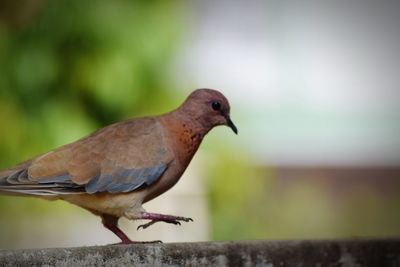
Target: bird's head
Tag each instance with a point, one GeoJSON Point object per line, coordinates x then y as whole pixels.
{"type": "Point", "coordinates": [209, 107]}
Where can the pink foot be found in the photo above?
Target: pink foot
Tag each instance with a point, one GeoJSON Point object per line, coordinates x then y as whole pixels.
{"type": "Point", "coordinates": [155, 217]}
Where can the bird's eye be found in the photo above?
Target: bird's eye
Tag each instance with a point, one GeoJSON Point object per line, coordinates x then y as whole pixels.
{"type": "Point", "coordinates": [216, 105]}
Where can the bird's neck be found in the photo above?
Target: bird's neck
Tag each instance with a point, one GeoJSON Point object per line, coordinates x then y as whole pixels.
{"type": "Point", "coordinates": [189, 121]}
{"type": "Point", "coordinates": [185, 134]}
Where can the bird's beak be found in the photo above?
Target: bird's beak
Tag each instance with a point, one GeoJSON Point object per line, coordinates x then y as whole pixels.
{"type": "Point", "coordinates": [231, 125]}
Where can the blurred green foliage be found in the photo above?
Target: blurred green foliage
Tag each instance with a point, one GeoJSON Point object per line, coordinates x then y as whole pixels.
{"type": "Point", "coordinates": [78, 65]}
{"type": "Point", "coordinates": [68, 67]}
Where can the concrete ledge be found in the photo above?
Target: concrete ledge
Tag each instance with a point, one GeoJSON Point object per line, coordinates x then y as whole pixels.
{"type": "Point", "coordinates": [372, 252]}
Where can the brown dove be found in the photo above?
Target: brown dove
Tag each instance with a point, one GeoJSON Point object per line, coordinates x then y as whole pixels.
{"type": "Point", "coordinates": [116, 169]}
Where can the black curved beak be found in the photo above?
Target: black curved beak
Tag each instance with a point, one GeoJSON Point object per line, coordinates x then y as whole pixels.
{"type": "Point", "coordinates": [231, 125]}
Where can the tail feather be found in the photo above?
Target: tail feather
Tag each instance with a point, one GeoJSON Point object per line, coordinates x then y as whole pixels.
{"type": "Point", "coordinates": [7, 176]}
{"type": "Point", "coordinates": [16, 181]}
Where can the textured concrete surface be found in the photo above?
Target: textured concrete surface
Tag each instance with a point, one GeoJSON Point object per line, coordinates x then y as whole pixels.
{"type": "Point", "coordinates": [372, 252]}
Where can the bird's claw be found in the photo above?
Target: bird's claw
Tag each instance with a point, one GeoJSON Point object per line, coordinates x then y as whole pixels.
{"type": "Point", "coordinates": [175, 221]}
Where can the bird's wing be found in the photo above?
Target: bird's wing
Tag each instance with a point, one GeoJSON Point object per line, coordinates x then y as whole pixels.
{"type": "Point", "coordinates": [118, 158]}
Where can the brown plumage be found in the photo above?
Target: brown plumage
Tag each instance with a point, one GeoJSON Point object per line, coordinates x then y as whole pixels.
{"type": "Point", "coordinates": [116, 169]}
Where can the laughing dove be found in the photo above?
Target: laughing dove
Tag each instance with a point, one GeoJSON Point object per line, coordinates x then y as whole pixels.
{"type": "Point", "coordinates": [116, 169]}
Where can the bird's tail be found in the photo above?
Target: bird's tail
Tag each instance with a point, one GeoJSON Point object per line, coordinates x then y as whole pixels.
{"type": "Point", "coordinates": [16, 181]}
{"type": "Point", "coordinates": [13, 181]}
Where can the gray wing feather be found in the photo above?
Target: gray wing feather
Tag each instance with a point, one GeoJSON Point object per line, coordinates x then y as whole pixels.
{"type": "Point", "coordinates": [125, 180]}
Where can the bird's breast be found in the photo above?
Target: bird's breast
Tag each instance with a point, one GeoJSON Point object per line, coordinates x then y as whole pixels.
{"type": "Point", "coordinates": [182, 142]}
{"type": "Point", "coordinates": [189, 142]}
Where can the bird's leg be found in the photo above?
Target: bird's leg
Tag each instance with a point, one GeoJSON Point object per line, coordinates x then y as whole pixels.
{"type": "Point", "coordinates": [155, 217]}
{"type": "Point", "coordinates": [111, 223]}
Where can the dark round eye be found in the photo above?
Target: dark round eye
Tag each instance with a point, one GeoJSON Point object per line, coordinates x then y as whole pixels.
{"type": "Point", "coordinates": [216, 105]}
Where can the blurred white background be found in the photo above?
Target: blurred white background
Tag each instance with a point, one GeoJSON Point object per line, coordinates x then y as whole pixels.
{"type": "Point", "coordinates": [315, 81]}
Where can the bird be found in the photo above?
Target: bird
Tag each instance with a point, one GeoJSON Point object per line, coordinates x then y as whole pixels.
{"type": "Point", "coordinates": [113, 171]}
